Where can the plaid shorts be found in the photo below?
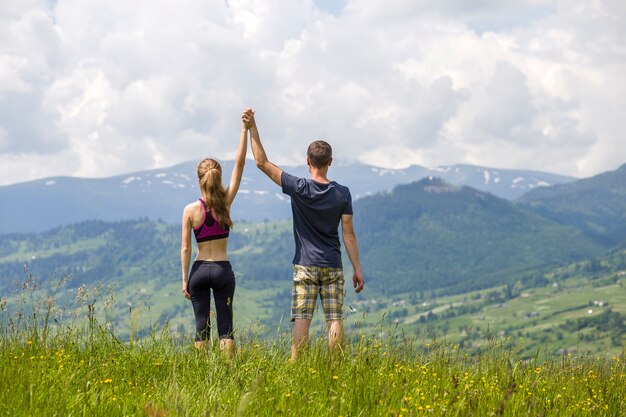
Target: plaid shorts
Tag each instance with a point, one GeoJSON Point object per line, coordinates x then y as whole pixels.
{"type": "Point", "coordinates": [308, 281]}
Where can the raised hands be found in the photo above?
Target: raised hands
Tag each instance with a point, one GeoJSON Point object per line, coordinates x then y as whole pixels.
{"type": "Point", "coordinates": [247, 118]}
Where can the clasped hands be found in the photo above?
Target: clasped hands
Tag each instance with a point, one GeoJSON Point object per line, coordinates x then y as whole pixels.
{"type": "Point", "coordinates": [247, 118]}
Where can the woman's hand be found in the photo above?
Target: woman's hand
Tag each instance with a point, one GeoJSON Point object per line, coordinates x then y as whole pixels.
{"type": "Point", "coordinates": [186, 291]}
{"type": "Point", "coordinates": [245, 121]}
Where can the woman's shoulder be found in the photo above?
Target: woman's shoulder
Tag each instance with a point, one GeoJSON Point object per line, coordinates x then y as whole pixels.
{"type": "Point", "coordinates": [195, 205]}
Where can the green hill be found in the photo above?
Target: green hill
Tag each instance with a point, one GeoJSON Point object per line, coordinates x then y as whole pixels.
{"type": "Point", "coordinates": [542, 308]}
{"type": "Point", "coordinates": [136, 263]}
{"type": "Point", "coordinates": [578, 307]}
{"type": "Point", "coordinates": [547, 307]}
{"type": "Point", "coordinates": [429, 235]}
{"type": "Point", "coordinates": [136, 251]}
{"type": "Point", "coordinates": [596, 205]}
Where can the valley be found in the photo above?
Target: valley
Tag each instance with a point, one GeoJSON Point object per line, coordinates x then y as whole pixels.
{"type": "Point", "coordinates": [442, 262]}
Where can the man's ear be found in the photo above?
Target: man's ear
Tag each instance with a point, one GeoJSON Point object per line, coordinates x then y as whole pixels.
{"type": "Point", "coordinates": [330, 162]}
{"type": "Point", "coordinates": [308, 161]}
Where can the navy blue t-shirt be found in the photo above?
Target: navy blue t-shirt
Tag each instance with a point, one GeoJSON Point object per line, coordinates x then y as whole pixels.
{"type": "Point", "coordinates": [317, 210]}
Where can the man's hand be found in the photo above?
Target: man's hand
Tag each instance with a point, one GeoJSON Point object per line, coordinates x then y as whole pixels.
{"type": "Point", "coordinates": [248, 118]}
{"type": "Point", "coordinates": [358, 281]}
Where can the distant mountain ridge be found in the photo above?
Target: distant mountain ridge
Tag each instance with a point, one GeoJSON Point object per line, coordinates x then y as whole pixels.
{"type": "Point", "coordinates": [596, 205]}
{"type": "Point", "coordinates": [161, 193]}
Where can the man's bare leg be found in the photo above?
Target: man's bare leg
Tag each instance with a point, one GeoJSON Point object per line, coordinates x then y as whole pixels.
{"type": "Point", "coordinates": [300, 337]}
{"type": "Point", "coordinates": [335, 334]}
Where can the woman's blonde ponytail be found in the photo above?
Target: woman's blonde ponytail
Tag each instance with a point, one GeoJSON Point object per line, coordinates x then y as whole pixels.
{"type": "Point", "coordinates": [213, 192]}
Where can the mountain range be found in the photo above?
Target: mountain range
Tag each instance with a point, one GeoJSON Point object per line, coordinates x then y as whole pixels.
{"type": "Point", "coordinates": [428, 234]}
{"type": "Point", "coordinates": [162, 193]}
{"type": "Point", "coordinates": [596, 205]}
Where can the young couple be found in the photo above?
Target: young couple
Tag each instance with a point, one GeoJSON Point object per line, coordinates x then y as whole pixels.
{"type": "Point", "coordinates": [318, 206]}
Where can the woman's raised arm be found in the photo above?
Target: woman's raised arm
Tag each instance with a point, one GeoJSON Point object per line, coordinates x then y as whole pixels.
{"type": "Point", "coordinates": [240, 162]}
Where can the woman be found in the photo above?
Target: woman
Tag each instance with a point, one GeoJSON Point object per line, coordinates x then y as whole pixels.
{"type": "Point", "coordinates": [209, 219]}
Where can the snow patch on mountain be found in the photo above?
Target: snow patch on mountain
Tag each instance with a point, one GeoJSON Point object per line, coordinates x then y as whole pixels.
{"type": "Point", "coordinates": [131, 179]}
{"type": "Point", "coordinates": [441, 169]}
{"type": "Point", "coordinates": [383, 171]}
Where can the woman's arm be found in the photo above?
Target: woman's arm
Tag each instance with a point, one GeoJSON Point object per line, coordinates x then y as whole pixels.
{"type": "Point", "coordinates": [240, 162]}
{"type": "Point", "coordinates": [185, 250]}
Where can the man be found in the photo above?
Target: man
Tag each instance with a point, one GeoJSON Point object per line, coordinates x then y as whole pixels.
{"type": "Point", "coordinates": [318, 205]}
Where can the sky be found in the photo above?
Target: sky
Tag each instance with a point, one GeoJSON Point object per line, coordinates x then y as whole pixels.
{"type": "Point", "coordinates": [105, 87]}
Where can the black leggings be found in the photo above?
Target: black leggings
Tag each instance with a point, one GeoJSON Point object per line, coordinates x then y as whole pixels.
{"type": "Point", "coordinates": [217, 276]}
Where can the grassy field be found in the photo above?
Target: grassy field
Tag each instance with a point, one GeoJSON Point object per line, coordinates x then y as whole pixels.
{"type": "Point", "coordinates": [85, 360]}
{"type": "Point", "coordinates": [568, 313]}
{"type": "Point", "coordinates": [565, 315]}
{"type": "Point", "coordinates": [52, 366]}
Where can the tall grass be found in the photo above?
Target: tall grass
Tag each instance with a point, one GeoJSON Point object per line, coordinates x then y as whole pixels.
{"type": "Point", "coordinates": [51, 365]}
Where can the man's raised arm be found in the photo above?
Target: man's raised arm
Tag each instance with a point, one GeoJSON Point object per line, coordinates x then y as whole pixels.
{"type": "Point", "coordinates": [260, 157]}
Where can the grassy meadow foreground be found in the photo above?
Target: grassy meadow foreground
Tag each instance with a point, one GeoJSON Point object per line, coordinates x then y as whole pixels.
{"type": "Point", "coordinates": [84, 369]}
{"type": "Point", "coordinates": [551, 344]}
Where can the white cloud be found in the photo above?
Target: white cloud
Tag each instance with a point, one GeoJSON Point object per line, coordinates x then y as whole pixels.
{"type": "Point", "coordinates": [104, 87]}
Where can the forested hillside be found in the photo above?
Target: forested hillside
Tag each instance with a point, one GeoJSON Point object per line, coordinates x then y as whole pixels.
{"type": "Point", "coordinates": [422, 236]}
{"type": "Point", "coordinates": [136, 251]}
{"type": "Point", "coordinates": [596, 205]}
{"type": "Point", "coordinates": [581, 304]}
{"type": "Point", "coordinates": [430, 235]}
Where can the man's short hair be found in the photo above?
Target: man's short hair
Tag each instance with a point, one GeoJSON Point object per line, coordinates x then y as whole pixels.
{"type": "Point", "coordinates": [319, 153]}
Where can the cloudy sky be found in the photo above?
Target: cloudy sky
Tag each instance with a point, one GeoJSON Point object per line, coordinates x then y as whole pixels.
{"type": "Point", "coordinates": [103, 87]}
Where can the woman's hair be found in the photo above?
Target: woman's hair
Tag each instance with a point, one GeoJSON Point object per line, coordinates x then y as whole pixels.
{"type": "Point", "coordinates": [213, 192]}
